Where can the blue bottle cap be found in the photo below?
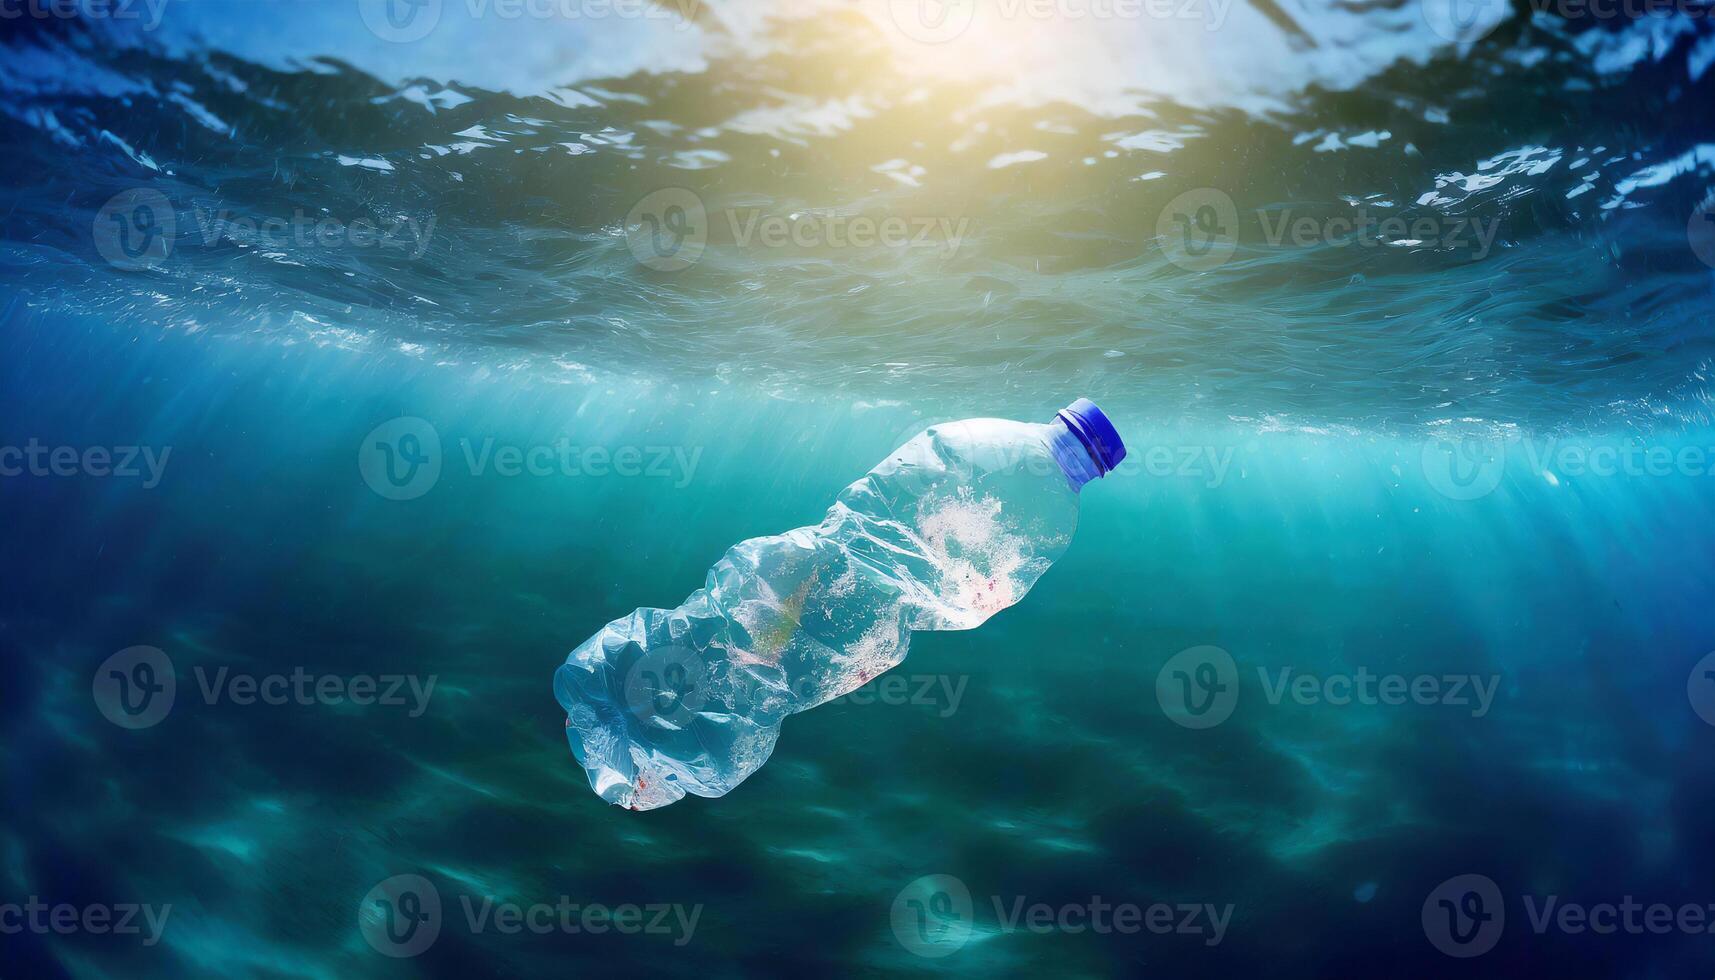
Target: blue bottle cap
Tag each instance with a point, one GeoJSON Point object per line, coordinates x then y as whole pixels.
{"type": "Point", "coordinates": [1090, 424]}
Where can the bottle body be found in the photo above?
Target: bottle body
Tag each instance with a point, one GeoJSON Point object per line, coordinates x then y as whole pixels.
{"type": "Point", "coordinates": [951, 528]}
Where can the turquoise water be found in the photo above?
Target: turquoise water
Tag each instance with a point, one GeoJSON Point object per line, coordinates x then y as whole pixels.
{"type": "Point", "coordinates": [1479, 471]}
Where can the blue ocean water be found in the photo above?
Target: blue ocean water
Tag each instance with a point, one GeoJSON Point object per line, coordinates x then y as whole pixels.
{"type": "Point", "coordinates": [1406, 579]}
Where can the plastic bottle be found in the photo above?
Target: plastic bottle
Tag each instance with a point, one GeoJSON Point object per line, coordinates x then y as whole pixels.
{"type": "Point", "coordinates": [951, 528]}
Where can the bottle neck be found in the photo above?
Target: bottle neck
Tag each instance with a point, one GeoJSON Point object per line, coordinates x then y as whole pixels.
{"type": "Point", "coordinates": [1070, 453]}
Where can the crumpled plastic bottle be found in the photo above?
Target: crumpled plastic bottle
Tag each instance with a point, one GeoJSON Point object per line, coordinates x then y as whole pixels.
{"type": "Point", "coordinates": [950, 529]}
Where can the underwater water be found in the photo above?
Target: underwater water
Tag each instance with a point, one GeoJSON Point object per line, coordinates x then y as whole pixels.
{"type": "Point", "coordinates": [359, 360]}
